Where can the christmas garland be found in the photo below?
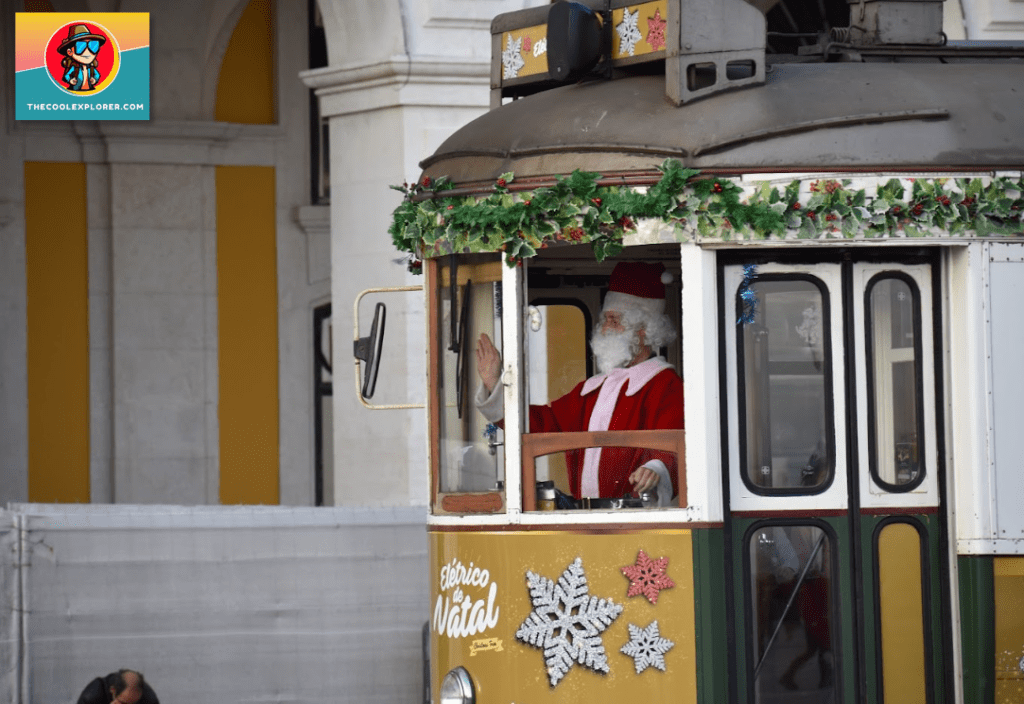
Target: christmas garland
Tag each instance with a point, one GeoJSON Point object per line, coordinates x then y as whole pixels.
{"type": "Point", "coordinates": [576, 209]}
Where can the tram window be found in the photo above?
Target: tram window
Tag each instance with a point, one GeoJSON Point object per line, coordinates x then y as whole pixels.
{"type": "Point", "coordinates": [792, 631]}
{"type": "Point", "coordinates": [470, 451]}
{"type": "Point", "coordinates": [784, 387]}
{"type": "Point", "coordinates": [893, 332]}
{"type": "Point", "coordinates": [569, 292]}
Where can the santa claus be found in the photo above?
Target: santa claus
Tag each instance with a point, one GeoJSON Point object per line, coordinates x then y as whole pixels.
{"type": "Point", "coordinates": [635, 390]}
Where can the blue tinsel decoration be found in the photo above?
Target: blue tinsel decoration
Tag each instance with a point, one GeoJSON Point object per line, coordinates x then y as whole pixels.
{"type": "Point", "coordinates": [748, 295]}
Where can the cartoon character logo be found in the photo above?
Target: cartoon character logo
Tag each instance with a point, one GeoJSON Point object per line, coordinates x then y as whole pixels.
{"type": "Point", "coordinates": [82, 59]}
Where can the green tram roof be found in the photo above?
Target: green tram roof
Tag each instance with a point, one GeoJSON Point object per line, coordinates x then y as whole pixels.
{"type": "Point", "coordinates": [967, 115]}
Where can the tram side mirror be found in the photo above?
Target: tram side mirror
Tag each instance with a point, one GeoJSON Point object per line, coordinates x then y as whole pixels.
{"type": "Point", "coordinates": [368, 349]}
{"type": "Point", "coordinates": [575, 40]}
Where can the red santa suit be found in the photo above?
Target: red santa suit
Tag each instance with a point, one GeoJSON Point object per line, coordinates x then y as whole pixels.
{"type": "Point", "coordinates": [647, 396]}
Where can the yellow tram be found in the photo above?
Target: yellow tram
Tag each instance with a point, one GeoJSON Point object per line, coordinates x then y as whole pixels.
{"type": "Point", "coordinates": [840, 233]}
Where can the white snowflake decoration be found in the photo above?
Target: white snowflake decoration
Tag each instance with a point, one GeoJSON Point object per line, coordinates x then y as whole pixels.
{"type": "Point", "coordinates": [629, 33]}
{"type": "Point", "coordinates": [647, 647]}
{"type": "Point", "coordinates": [567, 622]}
{"type": "Point", "coordinates": [512, 58]}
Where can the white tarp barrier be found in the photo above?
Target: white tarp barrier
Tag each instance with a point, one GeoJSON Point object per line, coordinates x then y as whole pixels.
{"type": "Point", "coordinates": [225, 604]}
{"type": "Point", "coordinates": [10, 610]}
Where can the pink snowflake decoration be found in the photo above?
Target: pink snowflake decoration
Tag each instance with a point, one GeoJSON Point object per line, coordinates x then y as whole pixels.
{"type": "Point", "coordinates": [656, 31]}
{"type": "Point", "coordinates": [527, 44]}
{"type": "Point", "coordinates": [647, 577]}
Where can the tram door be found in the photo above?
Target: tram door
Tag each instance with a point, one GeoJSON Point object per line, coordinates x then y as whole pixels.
{"type": "Point", "coordinates": [833, 485]}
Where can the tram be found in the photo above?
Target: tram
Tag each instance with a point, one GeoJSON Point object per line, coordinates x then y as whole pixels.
{"type": "Point", "coordinates": [840, 228]}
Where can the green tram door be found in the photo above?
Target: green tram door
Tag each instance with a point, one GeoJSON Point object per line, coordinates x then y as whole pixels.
{"type": "Point", "coordinates": [834, 499]}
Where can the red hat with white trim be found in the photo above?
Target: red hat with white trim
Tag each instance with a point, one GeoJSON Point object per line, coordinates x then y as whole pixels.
{"type": "Point", "coordinates": [638, 285]}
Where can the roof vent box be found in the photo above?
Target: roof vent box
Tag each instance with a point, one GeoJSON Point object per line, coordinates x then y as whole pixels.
{"type": "Point", "coordinates": [874, 22]}
{"type": "Point", "coordinates": [713, 46]}
{"type": "Point", "coordinates": [707, 46]}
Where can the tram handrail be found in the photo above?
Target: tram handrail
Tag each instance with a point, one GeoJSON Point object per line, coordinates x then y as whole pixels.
{"type": "Point", "coordinates": [538, 444]}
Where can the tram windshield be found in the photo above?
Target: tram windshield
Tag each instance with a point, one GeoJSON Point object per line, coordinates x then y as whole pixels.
{"type": "Point", "coordinates": [469, 451]}
{"type": "Point", "coordinates": [600, 377]}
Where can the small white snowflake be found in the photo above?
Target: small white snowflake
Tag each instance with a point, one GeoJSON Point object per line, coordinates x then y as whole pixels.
{"type": "Point", "coordinates": [629, 33]}
{"type": "Point", "coordinates": [566, 622]}
{"type": "Point", "coordinates": [512, 58]}
{"type": "Point", "coordinates": [647, 647]}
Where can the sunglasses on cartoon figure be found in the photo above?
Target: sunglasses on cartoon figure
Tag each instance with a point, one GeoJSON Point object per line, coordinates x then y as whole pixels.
{"type": "Point", "coordinates": [92, 45]}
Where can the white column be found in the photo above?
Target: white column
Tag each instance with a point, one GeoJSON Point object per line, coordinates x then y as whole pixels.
{"type": "Point", "coordinates": [402, 77]}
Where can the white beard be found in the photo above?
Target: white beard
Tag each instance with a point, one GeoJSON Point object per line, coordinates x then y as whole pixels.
{"type": "Point", "coordinates": [613, 349]}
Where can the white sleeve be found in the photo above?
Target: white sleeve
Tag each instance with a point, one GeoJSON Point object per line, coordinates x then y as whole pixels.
{"type": "Point", "coordinates": [492, 407]}
{"type": "Point", "coordinates": [664, 480]}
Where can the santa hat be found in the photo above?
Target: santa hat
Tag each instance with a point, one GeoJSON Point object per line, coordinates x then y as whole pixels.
{"type": "Point", "coordinates": [638, 285]}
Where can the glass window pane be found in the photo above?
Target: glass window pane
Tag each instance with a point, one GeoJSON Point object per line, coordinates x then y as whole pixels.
{"type": "Point", "coordinates": [792, 594]}
{"type": "Point", "coordinates": [892, 311]}
{"type": "Point", "coordinates": [785, 378]}
{"type": "Point", "coordinates": [471, 455]}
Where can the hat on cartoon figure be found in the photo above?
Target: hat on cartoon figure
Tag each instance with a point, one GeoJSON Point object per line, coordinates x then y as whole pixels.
{"type": "Point", "coordinates": [79, 32]}
{"type": "Point", "coordinates": [638, 285]}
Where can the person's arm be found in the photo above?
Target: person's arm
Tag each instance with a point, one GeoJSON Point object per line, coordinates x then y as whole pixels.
{"type": "Point", "coordinates": [562, 415]}
{"type": "Point", "coordinates": [665, 412]}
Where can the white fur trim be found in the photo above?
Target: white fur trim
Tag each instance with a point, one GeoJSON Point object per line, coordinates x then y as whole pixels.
{"type": "Point", "coordinates": [617, 301]}
{"type": "Point", "coordinates": [601, 417]}
{"type": "Point", "coordinates": [491, 406]}
{"type": "Point", "coordinates": [664, 482]}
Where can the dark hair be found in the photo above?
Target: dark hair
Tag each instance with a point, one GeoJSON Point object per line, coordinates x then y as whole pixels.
{"type": "Point", "coordinates": [121, 684]}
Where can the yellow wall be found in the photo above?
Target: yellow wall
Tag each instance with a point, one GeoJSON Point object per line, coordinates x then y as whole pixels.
{"type": "Point", "coordinates": [247, 330]}
{"type": "Point", "coordinates": [56, 270]}
{"type": "Point", "coordinates": [245, 89]}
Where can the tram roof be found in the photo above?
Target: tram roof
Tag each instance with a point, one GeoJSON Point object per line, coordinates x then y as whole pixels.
{"type": "Point", "coordinates": [807, 117]}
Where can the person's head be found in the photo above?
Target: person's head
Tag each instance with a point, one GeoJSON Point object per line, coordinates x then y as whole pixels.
{"type": "Point", "coordinates": [127, 687]}
{"type": "Point", "coordinates": [633, 321]}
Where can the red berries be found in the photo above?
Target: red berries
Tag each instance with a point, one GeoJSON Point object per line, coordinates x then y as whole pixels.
{"type": "Point", "coordinates": [502, 183]}
{"type": "Point", "coordinates": [425, 182]}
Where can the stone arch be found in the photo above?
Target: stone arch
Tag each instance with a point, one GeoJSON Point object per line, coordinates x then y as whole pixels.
{"type": "Point", "coordinates": [223, 18]}
{"type": "Point", "coordinates": [354, 35]}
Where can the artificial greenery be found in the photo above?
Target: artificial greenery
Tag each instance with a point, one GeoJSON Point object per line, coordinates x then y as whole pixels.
{"type": "Point", "coordinates": [429, 222]}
